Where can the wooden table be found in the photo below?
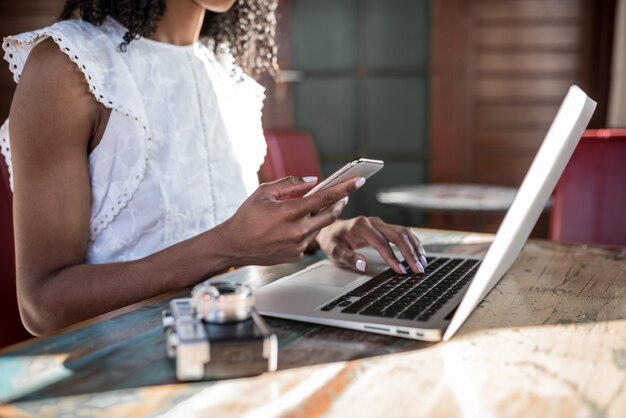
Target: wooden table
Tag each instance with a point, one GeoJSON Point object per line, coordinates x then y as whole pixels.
{"type": "Point", "coordinates": [548, 341]}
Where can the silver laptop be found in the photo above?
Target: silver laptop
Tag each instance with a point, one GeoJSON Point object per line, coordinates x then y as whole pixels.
{"type": "Point", "coordinates": [431, 306]}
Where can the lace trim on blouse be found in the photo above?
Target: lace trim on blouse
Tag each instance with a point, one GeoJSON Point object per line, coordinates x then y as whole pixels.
{"type": "Point", "coordinates": [95, 51]}
{"type": "Point", "coordinates": [106, 90]}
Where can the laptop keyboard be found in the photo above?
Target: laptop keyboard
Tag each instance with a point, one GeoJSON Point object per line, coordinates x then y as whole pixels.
{"type": "Point", "coordinates": [414, 296]}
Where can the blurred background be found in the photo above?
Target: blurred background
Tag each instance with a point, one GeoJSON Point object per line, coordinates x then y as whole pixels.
{"type": "Point", "coordinates": [444, 91]}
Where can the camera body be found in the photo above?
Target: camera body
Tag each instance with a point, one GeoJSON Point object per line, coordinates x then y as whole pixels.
{"type": "Point", "coordinates": [217, 334]}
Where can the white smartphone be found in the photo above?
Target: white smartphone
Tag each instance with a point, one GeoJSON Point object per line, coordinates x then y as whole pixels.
{"type": "Point", "coordinates": [362, 167]}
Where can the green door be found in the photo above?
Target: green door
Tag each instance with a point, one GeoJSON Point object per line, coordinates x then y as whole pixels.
{"type": "Point", "coordinates": [365, 88]}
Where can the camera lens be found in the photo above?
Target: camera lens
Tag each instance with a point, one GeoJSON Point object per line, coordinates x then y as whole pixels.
{"type": "Point", "coordinates": [222, 301]}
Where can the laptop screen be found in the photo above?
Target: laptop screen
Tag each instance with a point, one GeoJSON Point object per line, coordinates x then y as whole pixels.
{"type": "Point", "coordinates": [550, 161]}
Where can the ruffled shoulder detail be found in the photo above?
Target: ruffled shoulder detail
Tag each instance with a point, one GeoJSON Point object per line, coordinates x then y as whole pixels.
{"type": "Point", "coordinates": [95, 51]}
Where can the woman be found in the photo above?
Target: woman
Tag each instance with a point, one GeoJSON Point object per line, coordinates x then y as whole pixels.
{"type": "Point", "coordinates": [134, 150]}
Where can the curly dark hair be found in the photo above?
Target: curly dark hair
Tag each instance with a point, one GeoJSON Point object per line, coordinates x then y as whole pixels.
{"type": "Point", "coordinates": [247, 29]}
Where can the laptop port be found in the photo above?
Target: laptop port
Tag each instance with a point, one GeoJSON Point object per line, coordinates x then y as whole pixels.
{"type": "Point", "coordinates": [376, 328]}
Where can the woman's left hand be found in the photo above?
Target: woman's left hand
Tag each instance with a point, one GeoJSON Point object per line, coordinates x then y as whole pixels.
{"type": "Point", "coordinates": [340, 240]}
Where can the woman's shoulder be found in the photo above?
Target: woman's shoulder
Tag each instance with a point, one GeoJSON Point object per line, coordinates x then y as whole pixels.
{"type": "Point", "coordinates": [90, 53]}
{"type": "Point", "coordinates": [51, 81]}
{"type": "Point", "coordinates": [47, 62]}
{"type": "Point", "coordinates": [65, 30]}
{"type": "Point", "coordinates": [82, 42]}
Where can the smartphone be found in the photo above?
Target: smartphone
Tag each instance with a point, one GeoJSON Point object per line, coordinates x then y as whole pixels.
{"type": "Point", "coordinates": [362, 167]}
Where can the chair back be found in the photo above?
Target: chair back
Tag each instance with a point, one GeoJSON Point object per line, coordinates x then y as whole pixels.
{"type": "Point", "coordinates": [12, 329]}
{"type": "Point", "coordinates": [590, 198]}
{"type": "Point", "coordinates": [289, 153]}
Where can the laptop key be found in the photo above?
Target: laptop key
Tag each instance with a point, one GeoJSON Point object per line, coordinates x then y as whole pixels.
{"type": "Point", "coordinates": [372, 312]}
{"type": "Point", "coordinates": [357, 306]}
{"type": "Point", "coordinates": [409, 296]}
{"type": "Point", "coordinates": [372, 283]}
{"type": "Point", "coordinates": [403, 302]}
{"type": "Point", "coordinates": [409, 314]}
{"type": "Point", "coordinates": [394, 309]}
{"type": "Point", "coordinates": [378, 305]}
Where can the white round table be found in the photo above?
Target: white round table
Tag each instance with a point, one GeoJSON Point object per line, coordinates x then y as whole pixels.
{"type": "Point", "coordinates": [448, 199]}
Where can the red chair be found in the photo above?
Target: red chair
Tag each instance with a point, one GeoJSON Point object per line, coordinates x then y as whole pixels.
{"type": "Point", "coordinates": [12, 330]}
{"type": "Point", "coordinates": [289, 153]}
{"type": "Point", "coordinates": [590, 198]}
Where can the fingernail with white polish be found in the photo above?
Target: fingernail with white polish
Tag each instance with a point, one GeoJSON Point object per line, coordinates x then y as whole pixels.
{"type": "Point", "coordinates": [423, 261]}
{"type": "Point", "coordinates": [345, 200]}
{"type": "Point", "coordinates": [360, 264]}
{"type": "Point", "coordinates": [309, 179]}
{"type": "Point", "coordinates": [402, 268]}
{"type": "Point", "coordinates": [359, 182]}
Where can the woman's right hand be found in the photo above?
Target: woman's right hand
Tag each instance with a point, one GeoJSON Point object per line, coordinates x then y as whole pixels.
{"type": "Point", "coordinates": [272, 228]}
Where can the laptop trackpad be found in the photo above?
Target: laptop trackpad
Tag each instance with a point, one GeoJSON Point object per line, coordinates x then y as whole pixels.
{"type": "Point", "coordinates": [327, 275]}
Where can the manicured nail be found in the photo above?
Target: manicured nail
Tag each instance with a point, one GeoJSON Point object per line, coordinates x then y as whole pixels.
{"type": "Point", "coordinates": [345, 200]}
{"type": "Point", "coordinates": [420, 267]}
{"type": "Point", "coordinates": [423, 261]}
{"type": "Point", "coordinates": [402, 268]}
{"type": "Point", "coordinates": [360, 264]}
{"type": "Point", "coordinates": [309, 179]}
{"type": "Point", "coordinates": [359, 182]}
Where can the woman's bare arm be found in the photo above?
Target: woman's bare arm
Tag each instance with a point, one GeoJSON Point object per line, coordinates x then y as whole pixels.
{"type": "Point", "coordinates": [53, 118]}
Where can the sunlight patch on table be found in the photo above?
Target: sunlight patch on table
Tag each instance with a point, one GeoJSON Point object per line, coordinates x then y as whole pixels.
{"type": "Point", "coordinates": [21, 375]}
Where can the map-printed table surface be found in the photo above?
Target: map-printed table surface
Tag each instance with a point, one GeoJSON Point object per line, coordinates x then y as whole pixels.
{"type": "Point", "coordinates": [548, 340]}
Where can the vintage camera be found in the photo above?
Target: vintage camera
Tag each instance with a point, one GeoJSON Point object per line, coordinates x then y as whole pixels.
{"type": "Point", "coordinates": [217, 334]}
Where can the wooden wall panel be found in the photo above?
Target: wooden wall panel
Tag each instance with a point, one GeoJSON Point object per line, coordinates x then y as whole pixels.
{"type": "Point", "coordinates": [514, 62]}
{"type": "Point", "coordinates": [527, 35]}
{"type": "Point", "coordinates": [29, 8]}
{"type": "Point", "coordinates": [449, 92]}
{"type": "Point", "coordinates": [508, 143]}
{"type": "Point", "coordinates": [500, 70]}
{"type": "Point", "coordinates": [507, 90]}
{"type": "Point", "coordinates": [490, 168]}
{"type": "Point", "coordinates": [507, 115]}
{"type": "Point", "coordinates": [529, 10]}
{"type": "Point", "coordinates": [524, 55]}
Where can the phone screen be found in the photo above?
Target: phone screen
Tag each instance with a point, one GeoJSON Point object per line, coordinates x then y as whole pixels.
{"type": "Point", "coordinates": [362, 167]}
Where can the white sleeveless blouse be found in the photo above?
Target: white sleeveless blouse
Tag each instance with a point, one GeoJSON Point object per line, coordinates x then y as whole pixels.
{"type": "Point", "coordinates": [183, 144]}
